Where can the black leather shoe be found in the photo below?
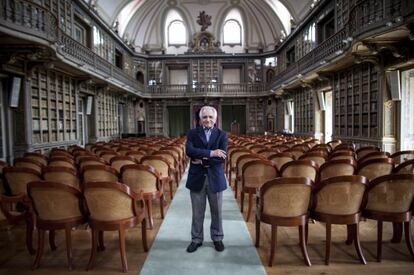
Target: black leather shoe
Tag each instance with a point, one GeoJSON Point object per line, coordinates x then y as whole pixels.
{"type": "Point", "coordinates": [193, 247]}
{"type": "Point", "coordinates": [219, 246]}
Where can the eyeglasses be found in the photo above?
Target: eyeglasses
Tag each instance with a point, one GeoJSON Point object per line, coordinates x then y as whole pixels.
{"type": "Point", "coordinates": [204, 117]}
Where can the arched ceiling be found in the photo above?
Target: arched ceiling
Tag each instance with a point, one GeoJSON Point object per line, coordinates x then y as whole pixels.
{"type": "Point", "coordinates": [140, 22]}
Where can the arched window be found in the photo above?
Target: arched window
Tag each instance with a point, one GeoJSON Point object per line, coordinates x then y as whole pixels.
{"type": "Point", "coordinates": [232, 32]}
{"type": "Point", "coordinates": [176, 33]}
{"type": "Point", "coordinates": [175, 30]}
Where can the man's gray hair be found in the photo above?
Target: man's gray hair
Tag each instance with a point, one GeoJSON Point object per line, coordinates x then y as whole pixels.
{"type": "Point", "coordinates": [208, 108]}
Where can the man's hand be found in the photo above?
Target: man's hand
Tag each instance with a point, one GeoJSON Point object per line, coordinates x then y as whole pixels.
{"type": "Point", "coordinates": [219, 153]}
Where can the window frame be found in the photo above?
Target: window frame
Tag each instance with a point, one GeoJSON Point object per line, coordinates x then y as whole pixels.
{"type": "Point", "coordinates": [168, 34]}
{"type": "Point", "coordinates": [240, 33]}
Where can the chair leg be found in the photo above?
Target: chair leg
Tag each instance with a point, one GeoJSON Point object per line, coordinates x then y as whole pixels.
{"type": "Point", "coordinates": [350, 234]}
{"type": "Point", "coordinates": [242, 200]}
{"type": "Point", "coordinates": [93, 249]}
{"type": "Point", "coordinates": [69, 246]}
{"type": "Point", "coordinates": [171, 188]}
{"type": "Point", "coordinates": [144, 234]}
{"type": "Point", "coordinates": [236, 188]}
{"type": "Point", "coordinates": [273, 244]}
{"type": "Point", "coordinates": [52, 243]}
{"type": "Point", "coordinates": [303, 243]}
{"type": "Point", "coordinates": [328, 243]}
{"type": "Point", "coordinates": [257, 244]}
{"type": "Point", "coordinates": [358, 244]}
{"type": "Point", "coordinates": [40, 242]}
{"type": "Point", "coordinates": [397, 232]}
{"type": "Point", "coordinates": [379, 241]}
{"type": "Point", "coordinates": [249, 208]}
{"type": "Point", "coordinates": [149, 213]}
{"type": "Point", "coordinates": [101, 244]}
{"type": "Point", "coordinates": [29, 233]}
{"type": "Point", "coordinates": [122, 249]}
{"type": "Point", "coordinates": [408, 239]}
{"type": "Point", "coordinates": [162, 206]}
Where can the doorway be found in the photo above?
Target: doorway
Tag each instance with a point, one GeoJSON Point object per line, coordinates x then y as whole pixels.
{"type": "Point", "coordinates": [234, 119]}
{"type": "Point", "coordinates": [178, 120]}
{"type": "Point", "coordinates": [406, 115]}
{"type": "Point", "coordinates": [328, 116]}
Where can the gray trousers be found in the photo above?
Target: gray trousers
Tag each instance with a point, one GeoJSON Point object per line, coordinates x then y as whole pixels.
{"type": "Point", "coordinates": [198, 204]}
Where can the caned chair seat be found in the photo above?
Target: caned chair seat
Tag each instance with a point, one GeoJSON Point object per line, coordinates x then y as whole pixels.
{"type": "Point", "coordinates": [254, 174]}
{"type": "Point", "coordinates": [338, 200]}
{"type": "Point", "coordinates": [390, 198]}
{"type": "Point", "coordinates": [57, 206]}
{"type": "Point", "coordinates": [145, 179]}
{"type": "Point", "coordinates": [284, 202]}
{"type": "Point", "coordinates": [114, 206]}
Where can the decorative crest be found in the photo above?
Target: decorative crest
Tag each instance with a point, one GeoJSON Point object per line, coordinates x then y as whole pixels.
{"type": "Point", "coordinates": [204, 20]}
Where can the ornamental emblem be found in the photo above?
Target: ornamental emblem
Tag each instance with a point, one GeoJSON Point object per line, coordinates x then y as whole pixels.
{"type": "Point", "coordinates": [204, 20]}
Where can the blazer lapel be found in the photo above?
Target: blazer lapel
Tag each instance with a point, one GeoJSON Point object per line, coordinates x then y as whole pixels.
{"type": "Point", "coordinates": [202, 136]}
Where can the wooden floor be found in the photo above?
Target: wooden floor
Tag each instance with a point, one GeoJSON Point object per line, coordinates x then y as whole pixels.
{"type": "Point", "coordinates": [14, 258]}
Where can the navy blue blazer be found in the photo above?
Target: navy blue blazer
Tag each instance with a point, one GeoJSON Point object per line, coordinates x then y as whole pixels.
{"type": "Point", "coordinates": [198, 148]}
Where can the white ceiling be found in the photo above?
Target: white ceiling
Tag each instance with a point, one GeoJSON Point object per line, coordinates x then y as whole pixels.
{"type": "Point", "coordinates": [141, 21]}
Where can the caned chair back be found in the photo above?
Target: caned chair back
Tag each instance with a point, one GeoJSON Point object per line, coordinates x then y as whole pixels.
{"type": "Point", "coordinates": [256, 172]}
{"type": "Point", "coordinates": [375, 168]}
{"type": "Point", "coordinates": [340, 195]}
{"type": "Point", "coordinates": [334, 143]}
{"type": "Point", "coordinates": [86, 161]}
{"type": "Point", "coordinates": [137, 155]}
{"type": "Point", "coordinates": [61, 161]}
{"type": "Point", "coordinates": [256, 148]}
{"type": "Point", "coordinates": [285, 197]}
{"type": "Point", "coordinates": [336, 168]}
{"type": "Point", "coordinates": [349, 155]}
{"type": "Point", "coordinates": [55, 201]}
{"type": "Point", "coordinates": [373, 155]}
{"type": "Point", "coordinates": [67, 176]}
{"type": "Point", "coordinates": [28, 163]}
{"type": "Point", "coordinates": [236, 154]}
{"type": "Point", "coordinates": [402, 156]}
{"type": "Point", "coordinates": [318, 157]}
{"type": "Point", "coordinates": [267, 152]}
{"type": "Point", "coordinates": [363, 151]}
{"type": "Point", "coordinates": [391, 194]}
{"type": "Point", "coordinates": [406, 167]}
{"type": "Point", "coordinates": [97, 173]}
{"type": "Point", "coordinates": [300, 168]}
{"type": "Point", "coordinates": [345, 147]}
{"type": "Point", "coordinates": [296, 152]}
{"type": "Point", "coordinates": [119, 161]}
{"type": "Point", "coordinates": [17, 178]}
{"type": "Point", "coordinates": [160, 164]}
{"type": "Point", "coordinates": [243, 159]}
{"type": "Point", "coordinates": [140, 177]}
{"type": "Point", "coordinates": [108, 155]}
{"type": "Point", "coordinates": [110, 201]}
{"type": "Point", "coordinates": [168, 156]}
{"type": "Point", "coordinates": [37, 157]}
{"type": "Point", "coordinates": [280, 159]}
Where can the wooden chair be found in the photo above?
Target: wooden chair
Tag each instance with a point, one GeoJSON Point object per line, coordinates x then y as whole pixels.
{"type": "Point", "coordinates": [300, 168]}
{"type": "Point", "coordinates": [338, 201]}
{"type": "Point", "coordinates": [390, 198]}
{"type": "Point", "coordinates": [113, 206]}
{"type": "Point", "coordinates": [363, 151]}
{"type": "Point", "coordinates": [119, 161]}
{"type": "Point", "coordinates": [349, 155]}
{"type": "Point", "coordinates": [375, 168]}
{"type": "Point", "coordinates": [280, 159]}
{"type": "Point", "coordinates": [334, 143]}
{"type": "Point", "coordinates": [162, 165]}
{"type": "Point", "coordinates": [241, 161]}
{"type": "Point", "coordinates": [402, 156]}
{"type": "Point", "coordinates": [108, 155]}
{"type": "Point", "coordinates": [373, 155]}
{"type": "Point", "coordinates": [296, 152]}
{"type": "Point", "coordinates": [254, 174]}
{"type": "Point", "coordinates": [406, 167]}
{"type": "Point", "coordinates": [145, 179]}
{"type": "Point", "coordinates": [90, 160]}
{"type": "Point", "coordinates": [61, 161]}
{"type": "Point", "coordinates": [28, 163]}
{"type": "Point", "coordinates": [96, 173]}
{"type": "Point", "coordinates": [284, 202]}
{"type": "Point", "coordinates": [318, 157]}
{"type": "Point", "coordinates": [233, 156]}
{"type": "Point", "coordinates": [336, 168]}
{"type": "Point", "coordinates": [67, 176]}
{"type": "Point", "coordinates": [173, 163]}
{"type": "Point", "coordinates": [137, 155]}
{"type": "Point", "coordinates": [57, 206]}
{"type": "Point", "coordinates": [37, 157]}
{"type": "Point", "coordinates": [17, 179]}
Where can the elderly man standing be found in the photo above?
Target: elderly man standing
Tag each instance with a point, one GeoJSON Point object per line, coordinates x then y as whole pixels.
{"type": "Point", "coordinates": [207, 147]}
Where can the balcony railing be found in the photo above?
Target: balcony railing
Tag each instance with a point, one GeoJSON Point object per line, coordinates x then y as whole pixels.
{"type": "Point", "coordinates": [206, 89]}
{"type": "Point", "coordinates": [364, 17]}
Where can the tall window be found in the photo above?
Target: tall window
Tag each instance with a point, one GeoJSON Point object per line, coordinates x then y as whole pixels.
{"type": "Point", "coordinates": [176, 33]}
{"type": "Point", "coordinates": [233, 29]}
{"type": "Point", "coordinates": [232, 32]}
{"type": "Point", "coordinates": [175, 30]}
